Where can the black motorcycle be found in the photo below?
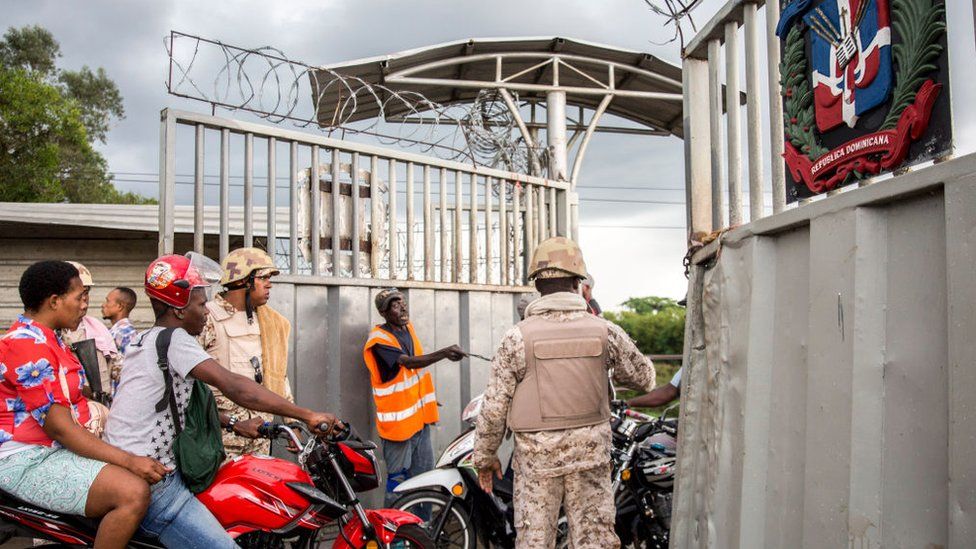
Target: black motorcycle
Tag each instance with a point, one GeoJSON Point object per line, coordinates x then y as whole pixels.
{"type": "Point", "coordinates": [644, 465]}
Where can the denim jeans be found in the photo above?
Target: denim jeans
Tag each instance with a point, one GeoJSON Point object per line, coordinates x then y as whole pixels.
{"type": "Point", "coordinates": [178, 519]}
{"type": "Point", "coordinates": [406, 459]}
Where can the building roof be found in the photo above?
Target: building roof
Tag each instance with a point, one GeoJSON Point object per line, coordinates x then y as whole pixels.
{"type": "Point", "coordinates": [130, 217]}
{"type": "Point", "coordinates": [647, 90]}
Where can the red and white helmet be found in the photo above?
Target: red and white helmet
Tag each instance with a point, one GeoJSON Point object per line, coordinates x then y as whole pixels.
{"type": "Point", "coordinates": [172, 278]}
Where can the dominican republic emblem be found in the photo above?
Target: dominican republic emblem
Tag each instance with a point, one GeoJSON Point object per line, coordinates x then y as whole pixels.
{"type": "Point", "coordinates": [843, 62]}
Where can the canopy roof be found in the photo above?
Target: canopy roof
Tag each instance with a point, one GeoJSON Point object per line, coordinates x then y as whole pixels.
{"type": "Point", "coordinates": [645, 89]}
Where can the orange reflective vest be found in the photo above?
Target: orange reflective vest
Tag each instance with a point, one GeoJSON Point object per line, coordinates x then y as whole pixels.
{"type": "Point", "coordinates": [405, 403]}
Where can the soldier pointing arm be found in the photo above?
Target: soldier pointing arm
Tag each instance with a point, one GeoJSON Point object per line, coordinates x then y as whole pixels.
{"type": "Point", "coordinates": [549, 384]}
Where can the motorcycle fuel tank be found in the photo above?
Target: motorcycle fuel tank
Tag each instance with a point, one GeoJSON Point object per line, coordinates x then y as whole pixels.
{"type": "Point", "coordinates": [252, 493]}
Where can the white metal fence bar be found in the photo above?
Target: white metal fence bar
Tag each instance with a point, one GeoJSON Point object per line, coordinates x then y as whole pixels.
{"type": "Point", "coordinates": [517, 232]}
{"type": "Point", "coordinates": [489, 231]}
{"type": "Point", "coordinates": [473, 231]}
{"type": "Point", "coordinates": [248, 190]}
{"type": "Point", "coordinates": [410, 222]}
{"type": "Point", "coordinates": [293, 208]}
{"type": "Point", "coordinates": [336, 213]}
{"type": "Point", "coordinates": [445, 243]}
{"type": "Point", "coordinates": [733, 128]}
{"type": "Point", "coordinates": [315, 205]}
{"type": "Point", "coordinates": [224, 246]}
{"type": "Point", "coordinates": [198, 195]}
{"type": "Point", "coordinates": [503, 231]}
{"type": "Point", "coordinates": [356, 200]}
{"type": "Point", "coordinates": [715, 130]}
{"type": "Point", "coordinates": [272, 207]}
{"type": "Point", "coordinates": [456, 275]}
{"type": "Point", "coordinates": [392, 214]}
{"type": "Point", "coordinates": [375, 216]}
{"type": "Point", "coordinates": [428, 229]}
{"type": "Point", "coordinates": [529, 221]}
{"type": "Point", "coordinates": [753, 115]}
{"type": "Point", "coordinates": [776, 142]}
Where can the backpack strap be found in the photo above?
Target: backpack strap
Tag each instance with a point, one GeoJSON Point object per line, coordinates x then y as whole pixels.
{"type": "Point", "coordinates": [162, 353]}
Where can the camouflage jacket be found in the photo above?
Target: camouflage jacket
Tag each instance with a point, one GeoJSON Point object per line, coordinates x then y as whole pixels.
{"type": "Point", "coordinates": [552, 453]}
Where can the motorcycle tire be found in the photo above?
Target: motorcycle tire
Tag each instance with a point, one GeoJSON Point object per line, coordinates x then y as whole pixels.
{"type": "Point", "coordinates": [458, 526]}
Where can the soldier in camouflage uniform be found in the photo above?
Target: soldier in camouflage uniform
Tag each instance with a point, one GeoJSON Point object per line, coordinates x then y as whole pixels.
{"type": "Point", "coordinates": [248, 337]}
{"type": "Point", "coordinates": [549, 384]}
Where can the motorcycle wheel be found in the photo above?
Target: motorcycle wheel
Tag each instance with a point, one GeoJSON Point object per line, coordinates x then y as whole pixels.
{"type": "Point", "coordinates": [457, 531]}
{"type": "Point", "coordinates": [412, 536]}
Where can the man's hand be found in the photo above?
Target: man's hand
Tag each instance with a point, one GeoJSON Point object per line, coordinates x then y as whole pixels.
{"type": "Point", "coordinates": [453, 353]}
{"type": "Point", "coordinates": [248, 428]}
{"type": "Point", "coordinates": [317, 419]}
{"type": "Point", "coordinates": [485, 475]}
{"type": "Point", "coordinates": [146, 468]}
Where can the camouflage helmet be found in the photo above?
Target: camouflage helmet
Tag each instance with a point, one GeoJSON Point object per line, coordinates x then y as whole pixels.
{"type": "Point", "coordinates": [240, 263]}
{"type": "Point", "coordinates": [557, 257]}
{"type": "Point", "coordinates": [83, 273]}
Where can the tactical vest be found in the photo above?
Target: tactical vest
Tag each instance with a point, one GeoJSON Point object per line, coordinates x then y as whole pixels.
{"type": "Point", "coordinates": [405, 403]}
{"type": "Point", "coordinates": [236, 341]}
{"type": "Point", "coordinates": [565, 384]}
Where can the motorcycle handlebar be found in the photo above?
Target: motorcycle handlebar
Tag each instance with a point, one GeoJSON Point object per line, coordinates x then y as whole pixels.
{"type": "Point", "coordinates": [268, 429]}
{"type": "Point", "coordinates": [637, 415]}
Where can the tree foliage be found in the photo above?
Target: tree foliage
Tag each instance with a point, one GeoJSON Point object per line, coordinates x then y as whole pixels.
{"type": "Point", "coordinates": [656, 324]}
{"type": "Point", "coordinates": [49, 120]}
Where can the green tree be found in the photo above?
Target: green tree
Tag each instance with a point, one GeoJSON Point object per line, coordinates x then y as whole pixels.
{"type": "Point", "coordinates": [49, 120]}
{"type": "Point", "coordinates": [657, 325]}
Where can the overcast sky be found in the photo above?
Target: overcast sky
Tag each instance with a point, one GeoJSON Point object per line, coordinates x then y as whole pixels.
{"type": "Point", "coordinates": [126, 38]}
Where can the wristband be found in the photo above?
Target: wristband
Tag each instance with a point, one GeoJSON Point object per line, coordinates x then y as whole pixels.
{"type": "Point", "coordinates": [230, 424]}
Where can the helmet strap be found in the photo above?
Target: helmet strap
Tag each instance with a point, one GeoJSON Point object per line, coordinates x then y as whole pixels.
{"type": "Point", "coordinates": [248, 307]}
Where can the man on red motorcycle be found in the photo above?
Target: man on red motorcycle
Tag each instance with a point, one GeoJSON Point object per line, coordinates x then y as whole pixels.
{"type": "Point", "coordinates": [177, 287]}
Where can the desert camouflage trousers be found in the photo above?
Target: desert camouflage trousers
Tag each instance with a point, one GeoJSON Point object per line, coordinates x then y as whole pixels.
{"type": "Point", "coordinates": [237, 446]}
{"type": "Point", "coordinates": [587, 499]}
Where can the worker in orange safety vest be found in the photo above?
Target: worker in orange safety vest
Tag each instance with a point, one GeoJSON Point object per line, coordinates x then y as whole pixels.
{"type": "Point", "coordinates": [403, 390]}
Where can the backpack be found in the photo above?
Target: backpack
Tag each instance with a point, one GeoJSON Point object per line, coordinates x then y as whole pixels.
{"type": "Point", "coordinates": [198, 444]}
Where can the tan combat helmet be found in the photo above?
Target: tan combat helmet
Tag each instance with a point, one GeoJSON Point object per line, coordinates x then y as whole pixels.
{"type": "Point", "coordinates": [239, 264]}
{"type": "Point", "coordinates": [557, 257]}
{"type": "Point", "coordinates": [83, 273]}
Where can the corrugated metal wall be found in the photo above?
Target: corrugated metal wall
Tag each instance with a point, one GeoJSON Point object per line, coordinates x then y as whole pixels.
{"type": "Point", "coordinates": [830, 396]}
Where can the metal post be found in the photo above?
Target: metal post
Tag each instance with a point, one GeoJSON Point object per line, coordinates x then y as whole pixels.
{"type": "Point", "coordinates": [224, 246]}
{"type": "Point", "coordinates": [776, 144]}
{"type": "Point", "coordinates": [503, 230]}
{"type": "Point", "coordinates": [336, 214]}
{"type": "Point", "coordinates": [529, 221]}
{"type": "Point", "coordinates": [445, 244]}
{"type": "Point", "coordinates": [715, 133]}
{"type": "Point", "coordinates": [697, 145]}
{"type": "Point", "coordinates": [556, 134]}
{"type": "Point", "coordinates": [394, 243]}
{"type": "Point", "coordinates": [488, 230]}
{"type": "Point", "coordinates": [293, 207]}
{"type": "Point", "coordinates": [456, 274]}
{"type": "Point", "coordinates": [167, 179]}
{"type": "Point", "coordinates": [272, 234]}
{"type": "Point", "coordinates": [248, 190]}
{"type": "Point", "coordinates": [753, 112]}
{"type": "Point", "coordinates": [410, 221]}
{"type": "Point", "coordinates": [428, 229]}
{"type": "Point", "coordinates": [517, 232]}
{"type": "Point", "coordinates": [355, 201]}
{"type": "Point", "coordinates": [315, 206]}
{"type": "Point", "coordinates": [733, 130]}
{"type": "Point", "coordinates": [473, 231]}
{"type": "Point", "coordinates": [198, 196]}
{"type": "Point", "coordinates": [375, 216]}
{"type": "Point", "coordinates": [540, 232]}
{"type": "Point", "coordinates": [553, 213]}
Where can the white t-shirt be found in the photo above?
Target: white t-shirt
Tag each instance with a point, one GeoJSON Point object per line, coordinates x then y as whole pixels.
{"type": "Point", "coordinates": [133, 424]}
{"type": "Point", "coordinates": [676, 378]}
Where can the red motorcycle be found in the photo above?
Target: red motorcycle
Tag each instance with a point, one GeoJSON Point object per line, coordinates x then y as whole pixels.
{"type": "Point", "coordinates": [265, 502]}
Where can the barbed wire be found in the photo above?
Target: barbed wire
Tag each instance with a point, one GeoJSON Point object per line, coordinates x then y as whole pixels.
{"type": "Point", "coordinates": [265, 82]}
{"type": "Point", "coordinates": [675, 11]}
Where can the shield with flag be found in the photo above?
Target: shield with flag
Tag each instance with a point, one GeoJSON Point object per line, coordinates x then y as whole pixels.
{"type": "Point", "coordinates": [850, 58]}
